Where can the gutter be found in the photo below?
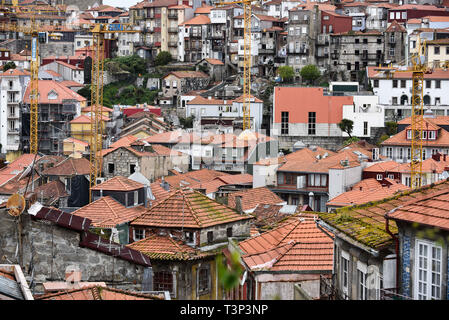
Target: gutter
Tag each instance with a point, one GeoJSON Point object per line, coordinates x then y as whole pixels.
{"type": "Point", "coordinates": [348, 239]}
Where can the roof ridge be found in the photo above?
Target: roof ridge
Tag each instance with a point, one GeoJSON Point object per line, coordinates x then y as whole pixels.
{"type": "Point", "coordinates": [193, 212]}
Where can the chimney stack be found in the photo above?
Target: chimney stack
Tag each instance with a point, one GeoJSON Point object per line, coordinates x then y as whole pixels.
{"type": "Point", "coordinates": [238, 204]}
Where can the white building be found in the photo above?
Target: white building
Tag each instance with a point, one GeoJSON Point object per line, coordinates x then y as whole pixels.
{"type": "Point", "coordinates": [224, 113]}
{"type": "Point", "coordinates": [395, 92]}
{"type": "Point", "coordinates": [366, 112]}
{"type": "Point", "coordinates": [13, 83]}
{"type": "Point", "coordinates": [66, 70]}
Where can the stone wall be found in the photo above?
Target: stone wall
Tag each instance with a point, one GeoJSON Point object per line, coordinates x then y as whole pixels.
{"type": "Point", "coordinates": [49, 249]}
{"type": "Point", "coordinates": [239, 229]}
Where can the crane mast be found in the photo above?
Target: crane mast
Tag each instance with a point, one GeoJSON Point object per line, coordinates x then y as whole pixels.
{"type": "Point", "coordinates": [246, 59]}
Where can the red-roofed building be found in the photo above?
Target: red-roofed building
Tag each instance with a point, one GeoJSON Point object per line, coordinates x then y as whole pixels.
{"type": "Point", "coordinates": [176, 83]}
{"type": "Point", "coordinates": [301, 112]}
{"type": "Point", "coordinates": [297, 251]}
{"type": "Point", "coordinates": [214, 68]}
{"type": "Point", "coordinates": [411, 11]}
{"type": "Point", "coordinates": [160, 20]}
{"type": "Point", "coordinates": [57, 106]}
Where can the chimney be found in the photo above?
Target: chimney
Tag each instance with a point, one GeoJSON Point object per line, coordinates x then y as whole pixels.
{"type": "Point", "coordinates": [311, 200]}
{"type": "Point", "coordinates": [72, 275]}
{"type": "Point", "coordinates": [238, 204]}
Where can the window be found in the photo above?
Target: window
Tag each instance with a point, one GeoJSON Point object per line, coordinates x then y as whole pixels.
{"type": "Point", "coordinates": [203, 280]}
{"type": "Point", "coordinates": [344, 272]}
{"type": "Point", "coordinates": [163, 281]}
{"type": "Point", "coordinates": [132, 168]}
{"type": "Point", "coordinates": [229, 232]}
{"type": "Point", "coordinates": [432, 135]}
{"type": "Point", "coordinates": [348, 65]}
{"type": "Point", "coordinates": [428, 270]}
{"type": "Point", "coordinates": [428, 83]}
{"type": "Point", "coordinates": [284, 122]}
{"type": "Point", "coordinates": [111, 168]}
{"type": "Point", "coordinates": [409, 134]}
{"type": "Point", "coordinates": [401, 153]}
{"type": "Point", "coordinates": [312, 123]}
{"type": "Point", "coordinates": [234, 153]}
{"type": "Point", "coordinates": [437, 101]}
{"type": "Point", "coordinates": [136, 197]}
{"type": "Point", "coordinates": [210, 236]}
{"type": "Point", "coordinates": [395, 83]}
{"type": "Point", "coordinates": [376, 84]}
{"type": "Point", "coordinates": [395, 100]}
{"type": "Point", "coordinates": [437, 84]}
{"type": "Point", "coordinates": [409, 153]}
{"type": "Point", "coordinates": [362, 285]}
{"type": "Point", "coordinates": [379, 177]}
{"type": "Point", "coordinates": [403, 83]}
{"type": "Point", "coordinates": [189, 236]}
{"type": "Point", "coordinates": [389, 152]}
{"type": "Point", "coordinates": [424, 155]}
{"type": "Point", "coordinates": [436, 50]}
{"type": "Point", "coordinates": [365, 128]}
{"type": "Point", "coordinates": [391, 176]}
{"type": "Point", "coordinates": [139, 234]}
{"type": "Point", "coordinates": [356, 40]}
{"type": "Point", "coordinates": [365, 41]}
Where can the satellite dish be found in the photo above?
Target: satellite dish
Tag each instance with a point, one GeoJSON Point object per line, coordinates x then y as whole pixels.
{"type": "Point", "coordinates": [15, 205]}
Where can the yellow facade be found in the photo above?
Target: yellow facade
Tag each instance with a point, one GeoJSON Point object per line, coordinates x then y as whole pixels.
{"type": "Point", "coordinates": [13, 155]}
{"type": "Point", "coordinates": [141, 134]}
{"type": "Point", "coordinates": [81, 131]}
{"type": "Point", "coordinates": [104, 113]}
{"type": "Point", "coordinates": [74, 149]}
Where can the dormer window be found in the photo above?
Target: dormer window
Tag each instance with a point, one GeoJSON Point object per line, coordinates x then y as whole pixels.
{"type": "Point", "coordinates": [409, 134]}
{"type": "Point", "coordinates": [432, 135]}
{"type": "Point", "coordinates": [52, 95]}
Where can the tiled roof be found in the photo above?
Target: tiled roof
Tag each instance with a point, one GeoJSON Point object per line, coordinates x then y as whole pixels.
{"type": "Point", "coordinates": [47, 86]}
{"type": "Point", "coordinates": [71, 83]}
{"type": "Point", "coordinates": [201, 100]}
{"type": "Point", "coordinates": [107, 212]}
{"type": "Point", "coordinates": [176, 136]}
{"type": "Point", "coordinates": [52, 190]}
{"type": "Point", "coordinates": [373, 72]}
{"type": "Point", "coordinates": [400, 139]}
{"type": "Point", "coordinates": [118, 183]}
{"type": "Point", "coordinates": [99, 293]}
{"type": "Point", "coordinates": [69, 167]}
{"type": "Point", "coordinates": [158, 192]}
{"type": "Point", "coordinates": [164, 247]}
{"type": "Point", "coordinates": [252, 197]}
{"type": "Point", "coordinates": [268, 215]}
{"type": "Point", "coordinates": [86, 119]}
{"type": "Point", "coordinates": [296, 245]}
{"type": "Point", "coordinates": [193, 179]}
{"type": "Point", "coordinates": [360, 194]}
{"type": "Point", "coordinates": [189, 209]}
{"type": "Point", "coordinates": [19, 164]}
{"type": "Point", "coordinates": [188, 74]}
{"type": "Point", "coordinates": [203, 9]}
{"type": "Point", "coordinates": [14, 73]}
{"type": "Point", "coordinates": [244, 178]}
{"type": "Point", "coordinates": [74, 140]}
{"type": "Point", "coordinates": [214, 61]}
{"type": "Point", "coordinates": [395, 27]}
{"type": "Point", "coordinates": [429, 209]}
{"type": "Point", "coordinates": [384, 166]}
{"type": "Point", "coordinates": [366, 223]}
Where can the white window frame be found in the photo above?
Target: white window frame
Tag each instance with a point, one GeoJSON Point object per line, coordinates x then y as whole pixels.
{"type": "Point", "coordinates": [379, 177]}
{"type": "Point", "coordinates": [362, 281]}
{"type": "Point", "coordinates": [136, 198]}
{"type": "Point", "coordinates": [134, 234]}
{"type": "Point", "coordinates": [344, 271]}
{"type": "Point", "coordinates": [423, 289]}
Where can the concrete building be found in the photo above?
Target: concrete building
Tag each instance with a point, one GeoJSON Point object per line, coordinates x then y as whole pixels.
{"type": "Point", "coordinates": [177, 83]}
{"type": "Point", "coordinates": [13, 83]}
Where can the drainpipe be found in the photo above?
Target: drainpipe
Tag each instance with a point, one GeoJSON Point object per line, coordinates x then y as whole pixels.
{"type": "Point", "coordinates": [396, 240]}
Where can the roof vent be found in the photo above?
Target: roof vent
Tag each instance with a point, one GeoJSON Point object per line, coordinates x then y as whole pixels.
{"type": "Point", "coordinates": [344, 163]}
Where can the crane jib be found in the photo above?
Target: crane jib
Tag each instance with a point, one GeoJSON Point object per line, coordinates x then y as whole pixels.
{"type": "Point", "coordinates": [116, 27]}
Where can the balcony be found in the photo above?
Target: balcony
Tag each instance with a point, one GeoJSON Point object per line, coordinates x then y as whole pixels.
{"type": "Point", "coordinates": [217, 47]}
{"type": "Point", "coordinates": [13, 131]}
{"type": "Point", "coordinates": [13, 116]}
{"type": "Point", "coordinates": [173, 30]}
{"type": "Point", "coordinates": [195, 34]}
{"type": "Point", "coordinates": [173, 15]}
{"type": "Point", "coordinates": [215, 35]}
{"type": "Point", "coordinates": [172, 43]}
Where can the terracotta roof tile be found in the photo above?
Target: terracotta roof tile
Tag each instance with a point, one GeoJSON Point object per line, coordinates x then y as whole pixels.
{"type": "Point", "coordinates": [86, 119]}
{"type": "Point", "coordinates": [189, 209]}
{"type": "Point", "coordinates": [158, 192]}
{"type": "Point", "coordinates": [430, 208]}
{"type": "Point", "coordinates": [69, 167]}
{"type": "Point", "coordinates": [99, 293]}
{"type": "Point", "coordinates": [107, 212]}
{"type": "Point", "coordinates": [48, 86]}
{"type": "Point", "coordinates": [164, 247]}
{"type": "Point", "coordinates": [253, 197]}
{"type": "Point", "coordinates": [296, 245]}
{"type": "Point", "coordinates": [118, 183]}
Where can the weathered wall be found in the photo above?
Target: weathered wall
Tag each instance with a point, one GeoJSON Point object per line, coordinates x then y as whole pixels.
{"type": "Point", "coordinates": [239, 229]}
{"type": "Point", "coordinates": [48, 249]}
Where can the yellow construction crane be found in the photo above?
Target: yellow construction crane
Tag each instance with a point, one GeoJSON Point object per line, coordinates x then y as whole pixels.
{"type": "Point", "coordinates": [33, 31]}
{"type": "Point", "coordinates": [418, 67]}
{"type": "Point", "coordinates": [96, 135]}
{"type": "Point", "coordinates": [246, 59]}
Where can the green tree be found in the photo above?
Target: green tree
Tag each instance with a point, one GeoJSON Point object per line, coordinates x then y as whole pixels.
{"type": "Point", "coordinates": [347, 126]}
{"type": "Point", "coordinates": [163, 58]}
{"type": "Point", "coordinates": [286, 73]}
{"type": "Point", "coordinates": [310, 73]}
{"type": "Point", "coordinates": [187, 122]}
{"type": "Point", "coordinates": [9, 65]}
{"type": "Point", "coordinates": [392, 127]}
{"type": "Point", "coordinates": [229, 273]}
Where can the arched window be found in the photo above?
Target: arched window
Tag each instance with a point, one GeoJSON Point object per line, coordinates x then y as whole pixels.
{"type": "Point", "coordinates": [426, 100]}
{"type": "Point", "coordinates": [404, 100]}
